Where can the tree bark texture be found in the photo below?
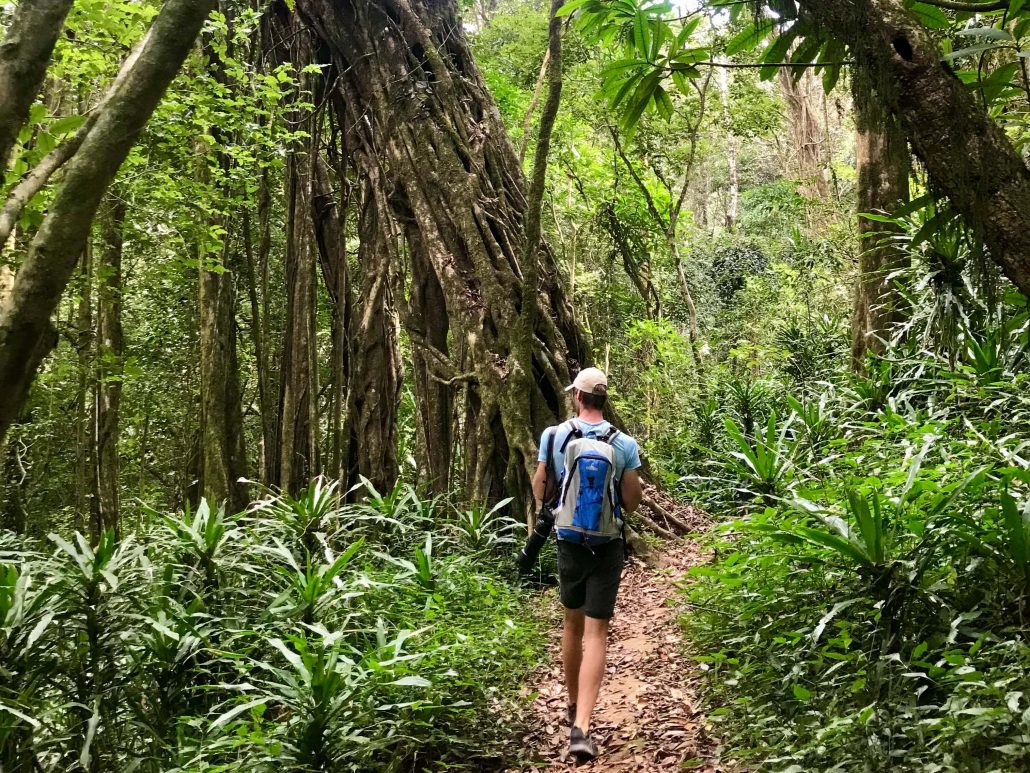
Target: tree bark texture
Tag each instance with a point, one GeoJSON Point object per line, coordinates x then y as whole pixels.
{"type": "Point", "coordinates": [427, 324]}
{"type": "Point", "coordinates": [805, 132]}
{"type": "Point", "coordinates": [881, 155]}
{"type": "Point", "coordinates": [86, 510]}
{"type": "Point", "coordinates": [966, 153]}
{"type": "Point", "coordinates": [26, 334]}
{"type": "Point", "coordinates": [24, 56]}
{"type": "Point", "coordinates": [376, 373]}
{"type": "Point", "coordinates": [423, 112]}
{"type": "Point", "coordinates": [223, 461]}
{"type": "Point", "coordinates": [110, 360]}
{"type": "Point", "coordinates": [297, 437]}
{"type": "Point", "coordinates": [330, 216]}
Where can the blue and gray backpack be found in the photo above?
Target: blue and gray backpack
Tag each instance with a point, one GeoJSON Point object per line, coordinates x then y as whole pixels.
{"type": "Point", "coordinates": [587, 508]}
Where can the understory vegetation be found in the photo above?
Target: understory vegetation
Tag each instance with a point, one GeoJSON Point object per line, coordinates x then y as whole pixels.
{"type": "Point", "coordinates": [866, 609]}
{"type": "Point", "coordinates": [298, 634]}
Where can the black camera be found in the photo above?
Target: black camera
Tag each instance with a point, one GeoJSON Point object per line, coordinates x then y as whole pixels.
{"type": "Point", "coordinates": [527, 557]}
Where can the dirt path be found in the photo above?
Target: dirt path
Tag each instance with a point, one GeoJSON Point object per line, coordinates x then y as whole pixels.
{"type": "Point", "coordinates": [645, 718]}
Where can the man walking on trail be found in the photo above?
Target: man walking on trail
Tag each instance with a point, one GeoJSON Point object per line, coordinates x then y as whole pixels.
{"type": "Point", "coordinates": [596, 466]}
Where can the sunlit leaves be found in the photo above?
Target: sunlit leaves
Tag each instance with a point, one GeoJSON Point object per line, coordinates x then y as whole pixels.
{"type": "Point", "coordinates": [653, 48]}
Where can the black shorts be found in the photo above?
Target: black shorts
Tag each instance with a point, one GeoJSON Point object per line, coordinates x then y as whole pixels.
{"type": "Point", "coordinates": [589, 577]}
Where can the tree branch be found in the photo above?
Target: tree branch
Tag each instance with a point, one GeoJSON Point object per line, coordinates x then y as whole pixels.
{"type": "Point", "coordinates": [24, 56]}
{"type": "Point", "coordinates": [31, 184]}
{"type": "Point", "coordinates": [955, 5]}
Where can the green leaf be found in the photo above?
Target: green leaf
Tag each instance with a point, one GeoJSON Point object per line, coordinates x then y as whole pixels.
{"type": "Point", "coordinates": [749, 37]}
{"type": "Point", "coordinates": [570, 7]}
{"type": "Point", "coordinates": [412, 681]}
{"type": "Point", "coordinates": [930, 16]}
{"type": "Point", "coordinates": [640, 100]}
{"type": "Point", "coordinates": [67, 124]}
{"type": "Point", "coordinates": [38, 113]}
{"type": "Point", "coordinates": [642, 34]}
{"type": "Point", "coordinates": [234, 712]}
{"type": "Point", "coordinates": [777, 52]}
{"type": "Point", "coordinates": [801, 693]}
{"type": "Point", "coordinates": [663, 103]}
{"type": "Point", "coordinates": [990, 33]}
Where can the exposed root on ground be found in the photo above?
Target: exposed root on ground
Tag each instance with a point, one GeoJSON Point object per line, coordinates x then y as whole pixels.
{"type": "Point", "coordinates": [671, 516]}
{"type": "Point", "coordinates": [645, 719]}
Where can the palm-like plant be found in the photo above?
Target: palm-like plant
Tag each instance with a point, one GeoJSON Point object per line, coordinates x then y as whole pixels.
{"type": "Point", "coordinates": [26, 662]}
{"type": "Point", "coordinates": [481, 531]}
{"type": "Point", "coordinates": [764, 466]}
{"type": "Point", "coordinates": [312, 585]}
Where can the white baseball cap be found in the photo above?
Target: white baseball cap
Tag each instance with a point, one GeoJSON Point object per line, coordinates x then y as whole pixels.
{"type": "Point", "coordinates": [590, 380]}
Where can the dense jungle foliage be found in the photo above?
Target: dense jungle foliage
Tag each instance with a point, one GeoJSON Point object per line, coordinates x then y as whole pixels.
{"type": "Point", "coordinates": [259, 502]}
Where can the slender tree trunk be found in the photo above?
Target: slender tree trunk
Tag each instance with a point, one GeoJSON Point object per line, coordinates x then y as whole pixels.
{"type": "Point", "coordinates": [110, 358]}
{"type": "Point", "coordinates": [450, 166]}
{"type": "Point", "coordinates": [24, 57]}
{"type": "Point", "coordinates": [733, 198]}
{"type": "Point", "coordinates": [296, 446]}
{"type": "Point", "coordinates": [967, 154]}
{"type": "Point", "coordinates": [330, 215]}
{"type": "Point", "coordinates": [86, 507]}
{"type": "Point", "coordinates": [26, 334]}
{"type": "Point", "coordinates": [223, 457]}
{"type": "Point", "coordinates": [269, 422]}
{"type": "Point", "coordinates": [298, 388]}
{"type": "Point", "coordinates": [527, 122]}
{"type": "Point", "coordinates": [881, 155]}
{"type": "Point", "coordinates": [373, 392]}
{"type": "Point", "coordinates": [635, 261]}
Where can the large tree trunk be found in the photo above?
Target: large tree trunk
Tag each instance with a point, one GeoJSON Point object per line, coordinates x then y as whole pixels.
{"type": "Point", "coordinates": [24, 57]}
{"type": "Point", "coordinates": [966, 153]}
{"type": "Point", "coordinates": [881, 155]}
{"type": "Point", "coordinates": [806, 133]}
{"type": "Point", "coordinates": [110, 357]}
{"type": "Point", "coordinates": [223, 461]}
{"type": "Point", "coordinates": [420, 106]}
{"type": "Point", "coordinates": [26, 334]}
{"type": "Point", "coordinates": [374, 387]}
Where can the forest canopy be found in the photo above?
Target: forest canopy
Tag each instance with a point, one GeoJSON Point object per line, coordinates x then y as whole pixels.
{"type": "Point", "coordinates": [289, 290]}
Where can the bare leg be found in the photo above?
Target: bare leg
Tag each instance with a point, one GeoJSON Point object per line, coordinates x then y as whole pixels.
{"type": "Point", "coordinates": [591, 673]}
{"type": "Point", "coordinates": [572, 651]}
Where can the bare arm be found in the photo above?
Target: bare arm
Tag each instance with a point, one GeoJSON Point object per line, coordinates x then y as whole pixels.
{"type": "Point", "coordinates": [631, 491]}
{"type": "Point", "coordinates": [539, 482]}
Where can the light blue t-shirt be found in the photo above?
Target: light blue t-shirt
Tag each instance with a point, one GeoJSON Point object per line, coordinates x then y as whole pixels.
{"type": "Point", "coordinates": [627, 452]}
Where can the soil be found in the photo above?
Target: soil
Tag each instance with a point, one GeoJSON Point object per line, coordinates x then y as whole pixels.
{"type": "Point", "coordinates": [645, 719]}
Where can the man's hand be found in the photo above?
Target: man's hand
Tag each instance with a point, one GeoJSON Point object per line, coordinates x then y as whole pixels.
{"type": "Point", "coordinates": [630, 490]}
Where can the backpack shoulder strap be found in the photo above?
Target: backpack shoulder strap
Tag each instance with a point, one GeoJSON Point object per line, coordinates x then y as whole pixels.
{"type": "Point", "coordinates": [609, 436]}
{"type": "Point", "coordinates": [574, 433]}
{"type": "Point", "coordinates": [550, 478]}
